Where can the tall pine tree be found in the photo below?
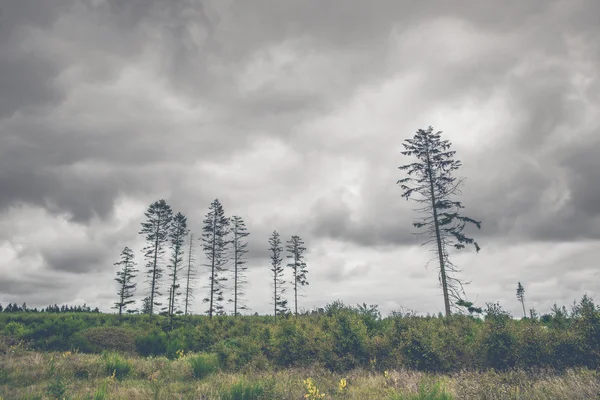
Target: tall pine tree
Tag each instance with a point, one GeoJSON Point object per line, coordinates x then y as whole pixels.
{"type": "Point", "coordinates": [296, 249]}
{"type": "Point", "coordinates": [177, 237]}
{"type": "Point", "coordinates": [156, 229]}
{"type": "Point", "coordinates": [124, 278]}
{"type": "Point", "coordinates": [280, 305]}
{"type": "Point", "coordinates": [215, 244]}
{"type": "Point", "coordinates": [430, 182]}
{"type": "Point", "coordinates": [190, 274]}
{"type": "Point", "coordinates": [240, 249]}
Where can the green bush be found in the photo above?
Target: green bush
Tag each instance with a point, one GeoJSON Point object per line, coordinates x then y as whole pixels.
{"type": "Point", "coordinates": [106, 338]}
{"type": "Point", "coordinates": [244, 390]}
{"type": "Point", "coordinates": [15, 329]}
{"type": "Point", "coordinates": [116, 365]}
{"type": "Point", "coordinates": [153, 344]}
{"type": "Point", "coordinates": [204, 364]}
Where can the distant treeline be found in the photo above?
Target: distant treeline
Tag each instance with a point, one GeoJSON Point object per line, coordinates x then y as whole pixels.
{"type": "Point", "coordinates": [15, 308]}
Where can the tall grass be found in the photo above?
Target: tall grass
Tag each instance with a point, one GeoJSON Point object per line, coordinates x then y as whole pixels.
{"type": "Point", "coordinates": [244, 390]}
{"type": "Point", "coordinates": [116, 365]}
{"type": "Point", "coordinates": [204, 364]}
{"type": "Point", "coordinates": [426, 392]}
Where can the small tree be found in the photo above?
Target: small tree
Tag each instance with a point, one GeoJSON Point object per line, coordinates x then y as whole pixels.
{"type": "Point", "coordinates": [190, 273]}
{"type": "Point", "coordinates": [177, 236]}
{"type": "Point", "coordinates": [279, 303]}
{"type": "Point", "coordinates": [124, 279]}
{"type": "Point", "coordinates": [430, 182]}
{"type": "Point", "coordinates": [521, 297]}
{"type": "Point", "coordinates": [156, 230]}
{"type": "Point", "coordinates": [215, 244]}
{"type": "Point", "coordinates": [146, 305]}
{"type": "Point", "coordinates": [296, 249]}
{"type": "Point", "coordinates": [240, 249]}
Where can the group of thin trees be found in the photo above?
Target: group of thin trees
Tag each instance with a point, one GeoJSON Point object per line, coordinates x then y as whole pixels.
{"type": "Point", "coordinates": [225, 247]}
{"type": "Point", "coordinates": [429, 181]}
{"type": "Point", "coordinates": [222, 241]}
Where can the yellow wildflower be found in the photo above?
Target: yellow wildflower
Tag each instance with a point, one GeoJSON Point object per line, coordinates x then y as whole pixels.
{"type": "Point", "coordinates": [342, 385]}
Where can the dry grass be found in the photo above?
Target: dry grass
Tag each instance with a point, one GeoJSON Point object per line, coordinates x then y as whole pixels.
{"type": "Point", "coordinates": [27, 375]}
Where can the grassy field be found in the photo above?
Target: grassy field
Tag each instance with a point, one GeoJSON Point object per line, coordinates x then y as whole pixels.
{"type": "Point", "coordinates": [26, 374]}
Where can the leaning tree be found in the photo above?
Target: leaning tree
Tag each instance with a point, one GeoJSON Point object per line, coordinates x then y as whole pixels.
{"type": "Point", "coordinates": [432, 184]}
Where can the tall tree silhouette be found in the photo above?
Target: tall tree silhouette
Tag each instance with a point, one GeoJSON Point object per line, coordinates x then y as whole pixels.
{"type": "Point", "coordinates": [156, 229]}
{"type": "Point", "coordinates": [280, 305]}
{"type": "Point", "coordinates": [521, 297]}
{"type": "Point", "coordinates": [190, 274]}
{"type": "Point", "coordinates": [124, 278]}
{"type": "Point", "coordinates": [215, 245]}
{"type": "Point", "coordinates": [177, 236]}
{"type": "Point", "coordinates": [240, 249]}
{"type": "Point", "coordinates": [430, 182]}
{"type": "Point", "coordinates": [296, 249]}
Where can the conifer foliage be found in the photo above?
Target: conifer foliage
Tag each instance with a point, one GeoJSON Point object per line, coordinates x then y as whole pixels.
{"type": "Point", "coordinates": [280, 305]}
{"type": "Point", "coordinates": [177, 236]}
{"type": "Point", "coordinates": [295, 248]}
{"type": "Point", "coordinates": [156, 229]}
{"type": "Point", "coordinates": [127, 271]}
{"type": "Point", "coordinates": [240, 249]}
{"type": "Point", "coordinates": [215, 245]}
{"type": "Point", "coordinates": [430, 183]}
{"type": "Point", "coordinates": [521, 297]}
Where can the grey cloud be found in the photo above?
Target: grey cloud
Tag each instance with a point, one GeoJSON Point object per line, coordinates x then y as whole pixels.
{"type": "Point", "coordinates": [108, 100]}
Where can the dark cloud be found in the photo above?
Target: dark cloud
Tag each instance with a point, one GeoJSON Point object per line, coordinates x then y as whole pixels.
{"type": "Point", "coordinates": [293, 114]}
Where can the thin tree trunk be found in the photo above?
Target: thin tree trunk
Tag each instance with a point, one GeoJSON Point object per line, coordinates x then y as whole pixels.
{"type": "Point", "coordinates": [523, 304]}
{"type": "Point", "coordinates": [235, 291]}
{"type": "Point", "coordinates": [187, 290]}
{"type": "Point", "coordinates": [295, 286]}
{"type": "Point", "coordinates": [154, 268]}
{"type": "Point", "coordinates": [212, 280]}
{"type": "Point", "coordinates": [438, 237]}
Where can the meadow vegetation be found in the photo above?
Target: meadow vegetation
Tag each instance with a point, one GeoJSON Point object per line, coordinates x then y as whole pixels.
{"type": "Point", "coordinates": [338, 352]}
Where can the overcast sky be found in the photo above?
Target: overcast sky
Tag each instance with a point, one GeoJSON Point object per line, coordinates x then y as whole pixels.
{"type": "Point", "coordinates": [293, 113]}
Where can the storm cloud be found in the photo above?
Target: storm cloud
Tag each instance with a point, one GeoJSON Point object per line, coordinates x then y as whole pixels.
{"type": "Point", "coordinates": [293, 114]}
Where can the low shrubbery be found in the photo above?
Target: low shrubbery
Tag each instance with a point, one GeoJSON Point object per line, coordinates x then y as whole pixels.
{"type": "Point", "coordinates": [339, 338]}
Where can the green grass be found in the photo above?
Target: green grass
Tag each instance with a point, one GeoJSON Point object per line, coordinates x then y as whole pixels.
{"type": "Point", "coordinates": [34, 375]}
{"type": "Point", "coordinates": [426, 392]}
{"type": "Point", "coordinates": [115, 364]}
{"type": "Point", "coordinates": [244, 390]}
{"type": "Point", "coordinates": [204, 364]}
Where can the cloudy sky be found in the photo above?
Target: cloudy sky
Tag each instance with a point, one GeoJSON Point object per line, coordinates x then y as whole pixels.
{"type": "Point", "coordinates": [293, 113]}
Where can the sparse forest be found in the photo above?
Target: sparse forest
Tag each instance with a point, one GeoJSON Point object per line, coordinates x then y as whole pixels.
{"type": "Point", "coordinates": [163, 347]}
